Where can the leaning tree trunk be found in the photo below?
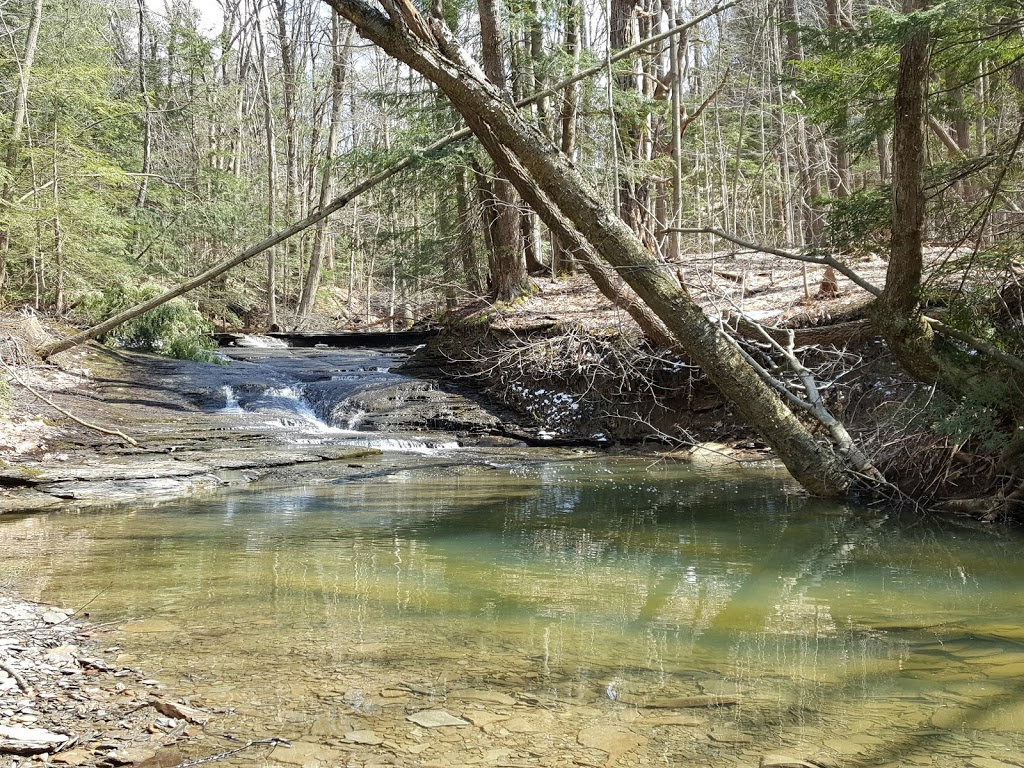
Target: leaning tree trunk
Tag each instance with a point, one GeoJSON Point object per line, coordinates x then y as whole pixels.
{"type": "Point", "coordinates": [434, 53]}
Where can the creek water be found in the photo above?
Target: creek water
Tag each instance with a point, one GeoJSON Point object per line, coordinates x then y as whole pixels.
{"type": "Point", "coordinates": [566, 605]}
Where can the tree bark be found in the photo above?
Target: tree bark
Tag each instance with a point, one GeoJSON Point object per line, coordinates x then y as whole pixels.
{"type": "Point", "coordinates": [147, 124]}
{"type": "Point", "coordinates": [467, 242]}
{"type": "Point", "coordinates": [628, 19]}
{"type": "Point", "coordinates": [563, 259]}
{"type": "Point", "coordinates": [338, 72]}
{"type": "Point", "coordinates": [508, 259]}
{"type": "Point", "coordinates": [268, 130]}
{"type": "Point", "coordinates": [286, 47]}
{"type": "Point", "coordinates": [808, 155]}
{"type": "Point", "coordinates": [898, 313]}
{"type": "Point", "coordinates": [503, 133]}
{"type": "Point", "coordinates": [17, 126]}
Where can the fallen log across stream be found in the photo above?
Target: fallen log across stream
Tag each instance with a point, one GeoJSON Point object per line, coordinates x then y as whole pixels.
{"type": "Point", "coordinates": [340, 340]}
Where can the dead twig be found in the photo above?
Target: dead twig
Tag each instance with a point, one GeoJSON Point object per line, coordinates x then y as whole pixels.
{"type": "Point", "coordinates": [49, 402]}
{"type": "Point", "coordinates": [271, 742]}
{"type": "Point", "coordinates": [16, 676]}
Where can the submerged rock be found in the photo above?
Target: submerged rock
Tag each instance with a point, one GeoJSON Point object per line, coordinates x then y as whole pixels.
{"type": "Point", "coordinates": [613, 739]}
{"type": "Point", "coordinates": [435, 718]}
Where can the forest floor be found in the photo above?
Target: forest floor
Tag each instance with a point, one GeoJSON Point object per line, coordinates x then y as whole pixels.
{"type": "Point", "coordinates": [767, 288]}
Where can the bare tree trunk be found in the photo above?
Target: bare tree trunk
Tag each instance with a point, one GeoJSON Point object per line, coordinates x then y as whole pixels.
{"type": "Point", "coordinates": [628, 19]}
{"type": "Point", "coordinates": [839, 182]}
{"type": "Point", "coordinates": [17, 126]}
{"type": "Point", "coordinates": [677, 49]}
{"type": "Point", "coordinates": [562, 257]}
{"type": "Point", "coordinates": [898, 314]}
{"type": "Point", "coordinates": [508, 138]}
{"type": "Point", "coordinates": [291, 193]}
{"type": "Point", "coordinates": [268, 130]}
{"type": "Point", "coordinates": [467, 242]}
{"type": "Point", "coordinates": [58, 235]}
{"type": "Point", "coordinates": [508, 260]}
{"type": "Point", "coordinates": [147, 119]}
{"type": "Point", "coordinates": [338, 72]}
{"type": "Point", "coordinates": [808, 156]}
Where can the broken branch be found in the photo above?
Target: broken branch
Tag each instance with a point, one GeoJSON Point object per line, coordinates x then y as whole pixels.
{"type": "Point", "coordinates": [16, 676]}
{"type": "Point", "coordinates": [823, 260]}
{"type": "Point", "coordinates": [49, 402]}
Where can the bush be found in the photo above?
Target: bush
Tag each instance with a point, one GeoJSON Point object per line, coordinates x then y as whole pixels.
{"type": "Point", "coordinates": [175, 328]}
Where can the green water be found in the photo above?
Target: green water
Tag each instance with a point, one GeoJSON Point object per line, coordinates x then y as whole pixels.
{"type": "Point", "coordinates": [581, 588]}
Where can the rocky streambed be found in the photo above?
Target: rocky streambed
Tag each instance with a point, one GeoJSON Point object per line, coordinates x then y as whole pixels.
{"type": "Point", "coordinates": [66, 700]}
{"type": "Point", "coordinates": [103, 427]}
{"type": "Point", "coordinates": [108, 426]}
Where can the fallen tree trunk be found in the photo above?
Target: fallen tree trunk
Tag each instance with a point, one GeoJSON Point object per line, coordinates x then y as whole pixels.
{"type": "Point", "coordinates": [433, 51]}
{"type": "Point", "coordinates": [835, 335]}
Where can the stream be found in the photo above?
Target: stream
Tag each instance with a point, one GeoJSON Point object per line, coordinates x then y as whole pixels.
{"type": "Point", "coordinates": [564, 607]}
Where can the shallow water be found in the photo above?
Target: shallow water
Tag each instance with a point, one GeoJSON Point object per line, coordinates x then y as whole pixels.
{"type": "Point", "coordinates": [563, 593]}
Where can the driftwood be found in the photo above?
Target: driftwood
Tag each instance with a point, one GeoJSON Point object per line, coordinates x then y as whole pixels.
{"type": "Point", "coordinates": [180, 711]}
{"type": "Point", "coordinates": [271, 742]}
{"type": "Point", "coordinates": [16, 676]}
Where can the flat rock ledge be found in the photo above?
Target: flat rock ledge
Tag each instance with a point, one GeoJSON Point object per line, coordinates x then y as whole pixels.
{"type": "Point", "coordinates": [94, 480]}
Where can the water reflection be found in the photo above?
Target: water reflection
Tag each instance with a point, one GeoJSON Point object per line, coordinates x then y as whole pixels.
{"type": "Point", "coordinates": [590, 585]}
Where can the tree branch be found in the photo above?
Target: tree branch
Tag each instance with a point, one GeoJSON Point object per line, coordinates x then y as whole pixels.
{"type": "Point", "coordinates": [823, 260]}
{"type": "Point", "coordinates": [71, 416]}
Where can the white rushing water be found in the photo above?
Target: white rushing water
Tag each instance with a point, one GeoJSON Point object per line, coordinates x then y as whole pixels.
{"type": "Point", "coordinates": [230, 401]}
{"type": "Point", "coordinates": [260, 342]}
{"type": "Point", "coordinates": [309, 429]}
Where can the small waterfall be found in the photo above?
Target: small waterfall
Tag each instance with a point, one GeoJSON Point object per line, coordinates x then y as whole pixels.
{"type": "Point", "coordinates": [405, 445]}
{"type": "Point", "coordinates": [295, 401]}
{"type": "Point", "coordinates": [350, 399]}
{"type": "Point", "coordinates": [309, 428]}
{"type": "Point", "coordinates": [231, 404]}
